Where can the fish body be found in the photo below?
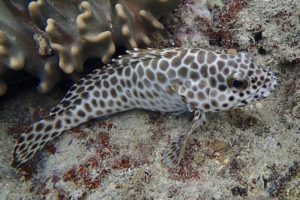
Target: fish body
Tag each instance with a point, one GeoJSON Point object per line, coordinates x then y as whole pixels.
{"type": "Point", "coordinates": [167, 80]}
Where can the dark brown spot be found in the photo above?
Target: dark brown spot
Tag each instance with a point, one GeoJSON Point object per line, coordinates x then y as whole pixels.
{"type": "Point", "coordinates": [104, 94]}
{"type": "Point", "coordinates": [110, 71]}
{"type": "Point", "coordinates": [101, 103]}
{"type": "Point", "coordinates": [176, 62]}
{"type": "Point", "coordinates": [140, 71]}
{"type": "Point", "coordinates": [222, 87]}
{"type": "Point", "coordinates": [211, 57]}
{"type": "Point", "coordinates": [147, 83]}
{"type": "Point", "coordinates": [119, 103]}
{"type": "Point", "coordinates": [87, 107]}
{"type": "Point", "coordinates": [250, 73]}
{"type": "Point", "coordinates": [146, 62]}
{"type": "Point", "coordinates": [194, 75]}
{"type": "Point", "coordinates": [201, 57]}
{"type": "Point", "coordinates": [212, 70]}
{"type": "Point", "coordinates": [22, 147]}
{"type": "Point", "coordinates": [80, 113]}
{"type": "Point", "coordinates": [189, 59]}
{"type": "Point", "coordinates": [85, 95]}
{"type": "Point", "coordinates": [220, 78]}
{"type": "Point", "coordinates": [128, 83]}
{"type": "Point", "coordinates": [154, 64]}
{"type": "Point", "coordinates": [149, 94]}
{"type": "Point", "coordinates": [56, 109]}
{"type": "Point", "coordinates": [140, 85]}
{"type": "Point", "coordinates": [108, 111]}
{"type": "Point", "coordinates": [58, 124]}
{"type": "Point", "coordinates": [38, 137]}
{"type": "Point", "coordinates": [202, 84]}
{"type": "Point", "coordinates": [113, 92]}
{"type": "Point", "coordinates": [243, 66]}
{"type": "Point", "coordinates": [120, 71]}
{"type": "Point", "coordinates": [194, 104]}
{"type": "Point", "coordinates": [29, 138]}
{"type": "Point", "coordinates": [55, 134]}
{"type": "Point", "coordinates": [67, 120]}
{"type": "Point", "coordinates": [80, 89]}
{"type": "Point", "coordinates": [90, 88]}
{"type": "Point", "coordinates": [258, 71]}
{"type": "Point", "coordinates": [182, 72]}
{"type": "Point", "coordinates": [195, 66]}
{"type": "Point", "coordinates": [135, 93]}
{"type": "Point", "coordinates": [73, 88]}
{"type": "Point", "coordinates": [105, 76]}
{"type": "Point", "coordinates": [161, 77]}
{"type": "Point", "coordinates": [150, 74]}
{"type": "Point", "coordinates": [182, 53]}
{"type": "Point", "coordinates": [48, 128]}
{"type": "Point", "coordinates": [262, 78]}
{"type": "Point", "coordinates": [45, 137]}
{"type": "Point", "coordinates": [99, 113]}
{"type": "Point", "coordinates": [134, 78]}
{"type": "Point", "coordinates": [194, 51]}
{"type": "Point", "coordinates": [214, 103]}
{"type": "Point", "coordinates": [77, 101]}
{"type": "Point", "coordinates": [66, 103]}
{"type": "Point", "coordinates": [142, 95]}
{"type": "Point", "coordinates": [200, 95]}
{"type": "Point", "coordinates": [194, 88]}
{"type": "Point", "coordinates": [204, 71]}
{"type": "Point", "coordinates": [252, 66]}
{"type": "Point", "coordinates": [220, 65]}
{"type": "Point", "coordinates": [74, 97]}
{"type": "Point", "coordinates": [190, 94]}
{"type": "Point", "coordinates": [213, 82]}
{"type": "Point", "coordinates": [113, 80]}
{"type": "Point", "coordinates": [110, 103]}
{"type": "Point", "coordinates": [163, 65]}
{"type": "Point", "coordinates": [125, 61]}
{"type": "Point", "coordinates": [231, 98]}
{"type": "Point", "coordinates": [224, 56]}
{"type": "Point", "coordinates": [39, 127]}
{"type": "Point", "coordinates": [98, 84]}
{"type": "Point", "coordinates": [206, 106]}
{"type": "Point", "coordinates": [226, 71]}
{"type": "Point", "coordinates": [232, 64]}
{"type": "Point", "coordinates": [225, 105]}
{"type": "Point", "coordinates": [124, 99]}
{"type": "Point", "coordinates": [254, 80]}
{"type": "Point", "coordinates": [171, 73]}
{"type": "Point", "coordinates": [96, 93]}
{"type": "Point", "coordinates": [105, 83]}
{"type": "Point", "coordinates": [119, 88]}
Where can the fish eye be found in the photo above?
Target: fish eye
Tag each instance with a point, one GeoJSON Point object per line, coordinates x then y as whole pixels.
{"type": "Point", "coordinates": [237, 84]}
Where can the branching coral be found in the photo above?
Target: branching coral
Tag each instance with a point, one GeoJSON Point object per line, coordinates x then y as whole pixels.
{"type": "Point", "coordinates": [48, 37]}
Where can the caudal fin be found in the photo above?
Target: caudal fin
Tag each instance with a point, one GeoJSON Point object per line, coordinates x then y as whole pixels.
{"type": "Point", "coordinates": [36, 138]}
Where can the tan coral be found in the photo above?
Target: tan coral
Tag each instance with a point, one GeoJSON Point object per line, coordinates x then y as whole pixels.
{"type": "Point", "coordinates": [54, 37]}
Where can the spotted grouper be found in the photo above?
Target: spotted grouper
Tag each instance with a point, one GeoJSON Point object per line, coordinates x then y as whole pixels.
{"type": "Point", "coordinates": [169, 80]}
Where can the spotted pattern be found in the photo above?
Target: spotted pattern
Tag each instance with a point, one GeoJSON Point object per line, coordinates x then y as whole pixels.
{"type": "Point", "coordinates": [168, 80]}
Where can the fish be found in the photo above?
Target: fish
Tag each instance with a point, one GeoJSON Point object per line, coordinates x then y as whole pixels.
{"type": "Point", "coordinates": [174, 80]}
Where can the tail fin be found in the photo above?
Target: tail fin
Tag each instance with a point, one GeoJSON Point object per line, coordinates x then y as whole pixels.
{"type": "Point", "coordinates": [40, 134]}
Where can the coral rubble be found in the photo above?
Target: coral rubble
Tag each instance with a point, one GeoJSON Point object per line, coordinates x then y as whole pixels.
{"type": "Point", "coordinates": [48, 37]}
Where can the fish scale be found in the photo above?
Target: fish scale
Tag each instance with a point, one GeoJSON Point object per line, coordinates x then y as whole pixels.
{"type": "Point", "coordinates": [168, 80]}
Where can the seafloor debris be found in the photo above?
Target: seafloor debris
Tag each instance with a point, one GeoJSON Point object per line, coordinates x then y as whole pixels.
{"type": "Point", "coordinates": [48, 37]}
